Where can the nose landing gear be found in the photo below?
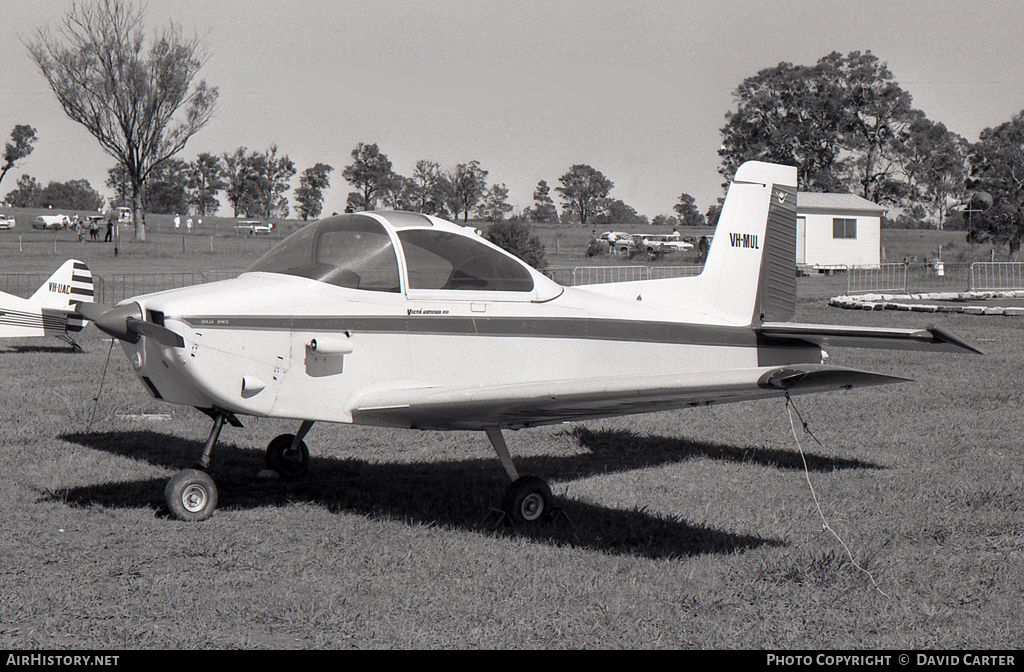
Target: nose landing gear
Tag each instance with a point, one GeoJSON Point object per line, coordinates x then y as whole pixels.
{"type": "Point", "coordinates": [192, 494]}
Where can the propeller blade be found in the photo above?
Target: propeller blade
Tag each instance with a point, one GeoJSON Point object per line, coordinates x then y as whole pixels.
{"type": "Point", "coordinates": [161, 335]}
{"type": "Point", "coordinates": [126, 323]}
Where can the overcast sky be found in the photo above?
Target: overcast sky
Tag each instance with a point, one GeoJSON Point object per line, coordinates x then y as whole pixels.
{"type": "Point", "coordinates": [636, 89]}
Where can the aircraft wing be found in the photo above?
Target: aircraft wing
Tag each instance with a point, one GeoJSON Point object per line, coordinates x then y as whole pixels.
{"type": "Point", "coordinates": [930, 339]}
{"type": "Point", "coordinates": [531, 404]}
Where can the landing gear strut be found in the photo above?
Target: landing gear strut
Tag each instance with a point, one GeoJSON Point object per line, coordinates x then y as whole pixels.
{"type": "Point", "coordinates": [192, 494]}
{"type": "Point", "coordinates": [288, 455]}
{"type": "Point", "coordinates": [527, 499]}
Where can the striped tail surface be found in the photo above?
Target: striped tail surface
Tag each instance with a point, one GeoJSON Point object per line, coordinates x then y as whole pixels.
{"type": "Point", "coordinates": [71, 283]}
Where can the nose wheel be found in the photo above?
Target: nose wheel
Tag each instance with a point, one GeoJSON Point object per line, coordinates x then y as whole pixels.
{"type": "Point", "coordinates": [191, 495]}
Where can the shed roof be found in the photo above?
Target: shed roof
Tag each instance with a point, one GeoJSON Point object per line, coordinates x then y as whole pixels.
{"type": "Point", "coordinates": [816, 202]}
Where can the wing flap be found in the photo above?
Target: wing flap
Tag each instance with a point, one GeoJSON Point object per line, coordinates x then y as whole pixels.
{"type": "Point", "coordinates": [530, 404]}
{"type": "Point", "coordinates": [929, 339]}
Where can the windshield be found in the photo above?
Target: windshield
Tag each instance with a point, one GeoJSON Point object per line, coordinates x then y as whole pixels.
{"type": "Point", "coordinates": [351, 251]}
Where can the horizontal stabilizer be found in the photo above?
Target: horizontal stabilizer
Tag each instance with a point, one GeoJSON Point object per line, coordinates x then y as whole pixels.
{"type": "Point", "coordinates": [930, 339]}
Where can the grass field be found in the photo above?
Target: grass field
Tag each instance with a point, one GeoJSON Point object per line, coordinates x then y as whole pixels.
{"type": "Point", "coordinates": [689, 529]}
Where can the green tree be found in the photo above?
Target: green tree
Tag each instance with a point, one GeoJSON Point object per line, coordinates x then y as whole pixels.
{"type": "Point", "coordinates": [876, 109]}
{"type": "Point", "coordinates": [997, 167]}
{"type": "Point", "coordinates": [119, 181]}
{"type": "Point", "coordinates": [494, 205]}
{"type": "Point", "coordinates": [428, 188]}
{"type": "Point", "coordinates": [256, 182]}
{"type": "Point", "coordinates": [617, 212]}
{"type": "Point", "coordinates": [713, 213]}
{"type": "Point", "coordinates": [688, 213]}
{"type": "Point", "coordinates": [237, 176]}
{"type": "Point", "coordinates": [838, 122]}
{"type": "Point", "coordinates": [583, 191]}
{"type": "Point", "coordinates": [370, 173]}
{"type": "Point", "coordinates": [310, 194]}
{"type": "Point", "coordinates": [516, 237]}
{"type": "Point", "coordinates": [71, 195]}
{"type": "Point", "coordinates": [933, 159]}
{"type": "Point", "coordinates": [26, 195]}
{"type": "Point", "coordinates": [127, 96]}
{"type": "Point", "coordinates": [165, 189]}
{"type": "Point", "coordinates": [791, 115]}
{"type": "Point", "coordinates": [20, 146]}
{"type": "Point", "coordinates": [205, 180]}
{"type": "Point", "coordinates": [467, 181]}
{"type": "Point", "coordinates": [544, 209]}
{"type": "Point", "coordinates": [270, 177]}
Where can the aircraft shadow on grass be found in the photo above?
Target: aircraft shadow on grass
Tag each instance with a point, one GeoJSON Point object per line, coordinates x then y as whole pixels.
{"type": "Point", "coordinates": [450, 493]}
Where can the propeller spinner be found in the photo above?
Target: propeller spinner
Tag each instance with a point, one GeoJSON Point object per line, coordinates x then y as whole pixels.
{"type": "Point", "coordinates": [126, 323]}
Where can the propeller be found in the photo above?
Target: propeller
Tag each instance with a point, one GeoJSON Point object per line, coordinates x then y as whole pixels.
{"type": "Point", "coordinates": [126, 323]}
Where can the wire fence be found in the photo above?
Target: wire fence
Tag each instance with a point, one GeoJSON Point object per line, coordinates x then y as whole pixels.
{"type": "Point", "coordinates": [885, 278]}
{"type": "Point", "coordinates": [114, 287]}
{"type": "Point", "coordinates": [997, 275]}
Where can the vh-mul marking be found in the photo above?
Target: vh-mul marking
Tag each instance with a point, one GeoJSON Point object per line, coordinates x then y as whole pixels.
{"type": "Point", "coordinates": [745, 240]}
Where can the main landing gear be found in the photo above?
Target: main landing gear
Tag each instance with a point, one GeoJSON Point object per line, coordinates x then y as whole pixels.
{"type": "Point", "coordinates": [527, 499]}
{"type": "Point", "coordinates": [192, 494]}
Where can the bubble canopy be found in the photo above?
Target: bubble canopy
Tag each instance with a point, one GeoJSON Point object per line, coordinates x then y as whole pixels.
{"type": "Point", "coordinates": [367, 251]}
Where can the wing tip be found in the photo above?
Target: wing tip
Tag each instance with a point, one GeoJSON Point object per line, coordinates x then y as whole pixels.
{"type": "Point", "coordinates": [820, 378]}
{"type": "Point", "coordinates": [943, 336]}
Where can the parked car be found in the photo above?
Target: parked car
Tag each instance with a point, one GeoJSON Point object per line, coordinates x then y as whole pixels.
{"type": "Point", "coordinates": [254, 227]}
{"type": "Point", "coordinates": [664, 243]}
{"type": "Point", "coordinates": [6, 222]}
{"type": "Point", "coordinates": [650, 243]}
{"type": "Point", "coordinates": [51, 222]}
{"type": "Point", "coordinates": [612, 236]}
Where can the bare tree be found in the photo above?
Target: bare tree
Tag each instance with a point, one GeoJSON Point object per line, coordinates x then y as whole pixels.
{"type": "Point", "coordinates": [126, 96]}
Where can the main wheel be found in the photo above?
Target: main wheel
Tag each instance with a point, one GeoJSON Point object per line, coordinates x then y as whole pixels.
{"type": "Point", "coordinates": [286, 461]}
{"type": "Point", "coordinates": [528, 501]}
{"type": "Point", "coordinates": [191, 495]}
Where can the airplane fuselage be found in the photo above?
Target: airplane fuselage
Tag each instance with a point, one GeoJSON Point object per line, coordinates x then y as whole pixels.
{"type": "Point", "coordinates": [273, 345]}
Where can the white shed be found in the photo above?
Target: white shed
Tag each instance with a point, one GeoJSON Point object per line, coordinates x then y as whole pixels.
{"type": "Point", "coordinates": [834, 230]}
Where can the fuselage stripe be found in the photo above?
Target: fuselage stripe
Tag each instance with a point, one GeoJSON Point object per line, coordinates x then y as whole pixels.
{"type": "Point", "coordinates": [572, 328]}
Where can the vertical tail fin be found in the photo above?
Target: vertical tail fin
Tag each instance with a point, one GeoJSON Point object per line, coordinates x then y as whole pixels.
{"type": "Point", "coordinates": [750, 273]}
{"type": "Point", "coordinates": [72, 282]}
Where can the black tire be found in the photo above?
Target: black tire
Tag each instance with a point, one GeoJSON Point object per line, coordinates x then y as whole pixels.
{"type": "Point", "coordinates": [528, 501]}
{"type": "Point", "coordinates": [285, 461]}
{"type": "Point", "coordinates": [191, 495]}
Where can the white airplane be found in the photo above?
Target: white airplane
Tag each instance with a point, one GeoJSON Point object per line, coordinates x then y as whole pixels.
{"type": "Point", "coordinates": [398, 319]}
{"type": "Point", "coordinates": [47, 312]}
